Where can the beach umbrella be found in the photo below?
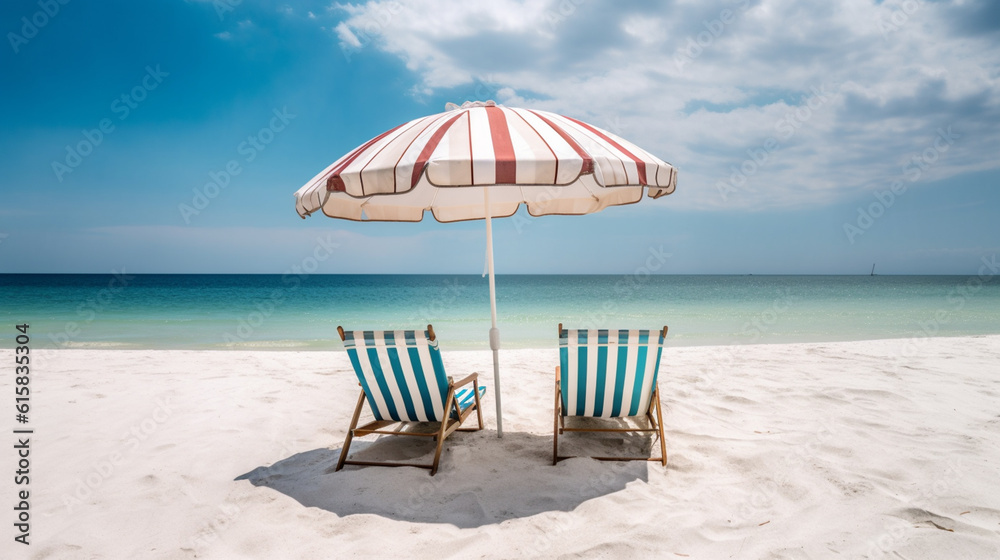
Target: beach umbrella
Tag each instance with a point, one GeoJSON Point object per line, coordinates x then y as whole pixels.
{"type": "Point", "coordinates": [482, 161]}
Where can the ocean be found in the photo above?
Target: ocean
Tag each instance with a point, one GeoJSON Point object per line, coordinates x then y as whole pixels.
{"type": "Point", "coordinates": [277, 312]}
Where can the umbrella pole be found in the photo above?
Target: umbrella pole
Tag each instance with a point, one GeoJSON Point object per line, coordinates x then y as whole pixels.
{"type": "Point", "coordinates": [494, 331]}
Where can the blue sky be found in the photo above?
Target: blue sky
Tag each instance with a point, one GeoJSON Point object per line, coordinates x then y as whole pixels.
{"type": "Point", "coordinates": [790, 124]}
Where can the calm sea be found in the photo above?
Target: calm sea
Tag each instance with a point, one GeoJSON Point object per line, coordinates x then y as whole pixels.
{"type": "Point", "coordinates": [302, 313]}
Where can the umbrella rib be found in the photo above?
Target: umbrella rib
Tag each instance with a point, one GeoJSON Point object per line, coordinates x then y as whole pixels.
{"type": "Point", "coordinates": [331, 181]}
{"type": "Point", "coordinates": [588, 161]}
{"type": "Point", "coordinates": [571, 124]}
{"type": "Point", "coordinates": [361, 173]}
{"type": "Point", "coordinates": [648, 158]}
{"type": "Point", "coordinates": [472, 162]}
{"type": "Point", "coordinates": [555, 176]}
{"type": "Point", "coordinates": [408, 146]}
{"type": "Point", "coordinates": [433, 200]}
{"type": "Point", "coordinates": [641, 170]}
{"type": "Point", "coordinates": [594, 194]}
{"type": "Point", "coordinates": [428, 149]}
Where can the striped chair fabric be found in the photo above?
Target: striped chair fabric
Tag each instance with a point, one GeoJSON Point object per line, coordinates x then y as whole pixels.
{"type": "Point", "coordinates": [402, 375]}
{"type": "Point", "coordinates": [608, 373]}
{"type": "Point", "coordinates": [466, 397]}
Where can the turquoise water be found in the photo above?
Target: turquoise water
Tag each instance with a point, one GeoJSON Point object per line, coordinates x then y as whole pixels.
{"type": "Point", "coordinates": [302, 312]}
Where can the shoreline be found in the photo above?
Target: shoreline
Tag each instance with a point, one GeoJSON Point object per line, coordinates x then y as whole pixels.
{"type": "Point", "coordinates": [336, 346]}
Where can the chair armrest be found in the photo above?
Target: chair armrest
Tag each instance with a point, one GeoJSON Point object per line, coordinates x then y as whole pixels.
{"type": "Point", "coordinates": [557, 375]}
{"type": "Point", "coordinates": [471, 378]}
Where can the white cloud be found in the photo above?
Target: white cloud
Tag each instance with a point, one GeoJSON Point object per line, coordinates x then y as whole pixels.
{"type": "Point", "coordinates": [347, 38]}
{"type": "Point", "coordinates": [707, 86]}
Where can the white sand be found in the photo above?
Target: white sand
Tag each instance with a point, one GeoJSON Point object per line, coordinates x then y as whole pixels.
{"type": "Point", "coordinates": [840, 450]}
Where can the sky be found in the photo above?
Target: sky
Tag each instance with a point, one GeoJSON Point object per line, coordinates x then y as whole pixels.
{"type": "Point", "coordinates": [809, 137]}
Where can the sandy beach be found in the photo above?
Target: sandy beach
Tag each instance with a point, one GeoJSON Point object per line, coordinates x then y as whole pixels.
{"type": "Point", "coordinates": [877, 449]}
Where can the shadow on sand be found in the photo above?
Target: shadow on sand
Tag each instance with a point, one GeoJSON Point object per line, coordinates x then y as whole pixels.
{"type": "Point", "coordinates": [482, 480]}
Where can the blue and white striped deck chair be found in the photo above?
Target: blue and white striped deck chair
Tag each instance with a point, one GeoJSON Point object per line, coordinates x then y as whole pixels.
{"type": "Point", "coordinates": [608, 374]}
{"type": "Point", "coordinates": [403, 380]}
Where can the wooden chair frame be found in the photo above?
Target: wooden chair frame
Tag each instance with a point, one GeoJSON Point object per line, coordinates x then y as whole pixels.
{"type": "Point", "coordinates": [656, 424]}
{"type": "Point", "coordinates": [449, 425]}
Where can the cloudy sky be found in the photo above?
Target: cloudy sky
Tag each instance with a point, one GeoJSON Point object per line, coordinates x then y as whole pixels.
{"type": "Point", "coordinates": [810, 137]}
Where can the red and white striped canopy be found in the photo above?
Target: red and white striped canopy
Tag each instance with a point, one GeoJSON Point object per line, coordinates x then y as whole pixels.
{"type": "Point", "coordinates": [443, 163]}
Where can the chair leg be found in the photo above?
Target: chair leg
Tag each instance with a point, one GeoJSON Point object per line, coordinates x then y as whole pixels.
{"type": "Point", "coordinates": [449, 401]}
{"type": "Point", "coordinates": [350, 431]}
{"type": "Point", "coordinates": [477, 405]}
{"type": "Point", "coordinates": [479, 409]}
{"type": "Point", "coordinates": [659, 424]}
{"type": "Point", "coordinates": [555, 423]}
